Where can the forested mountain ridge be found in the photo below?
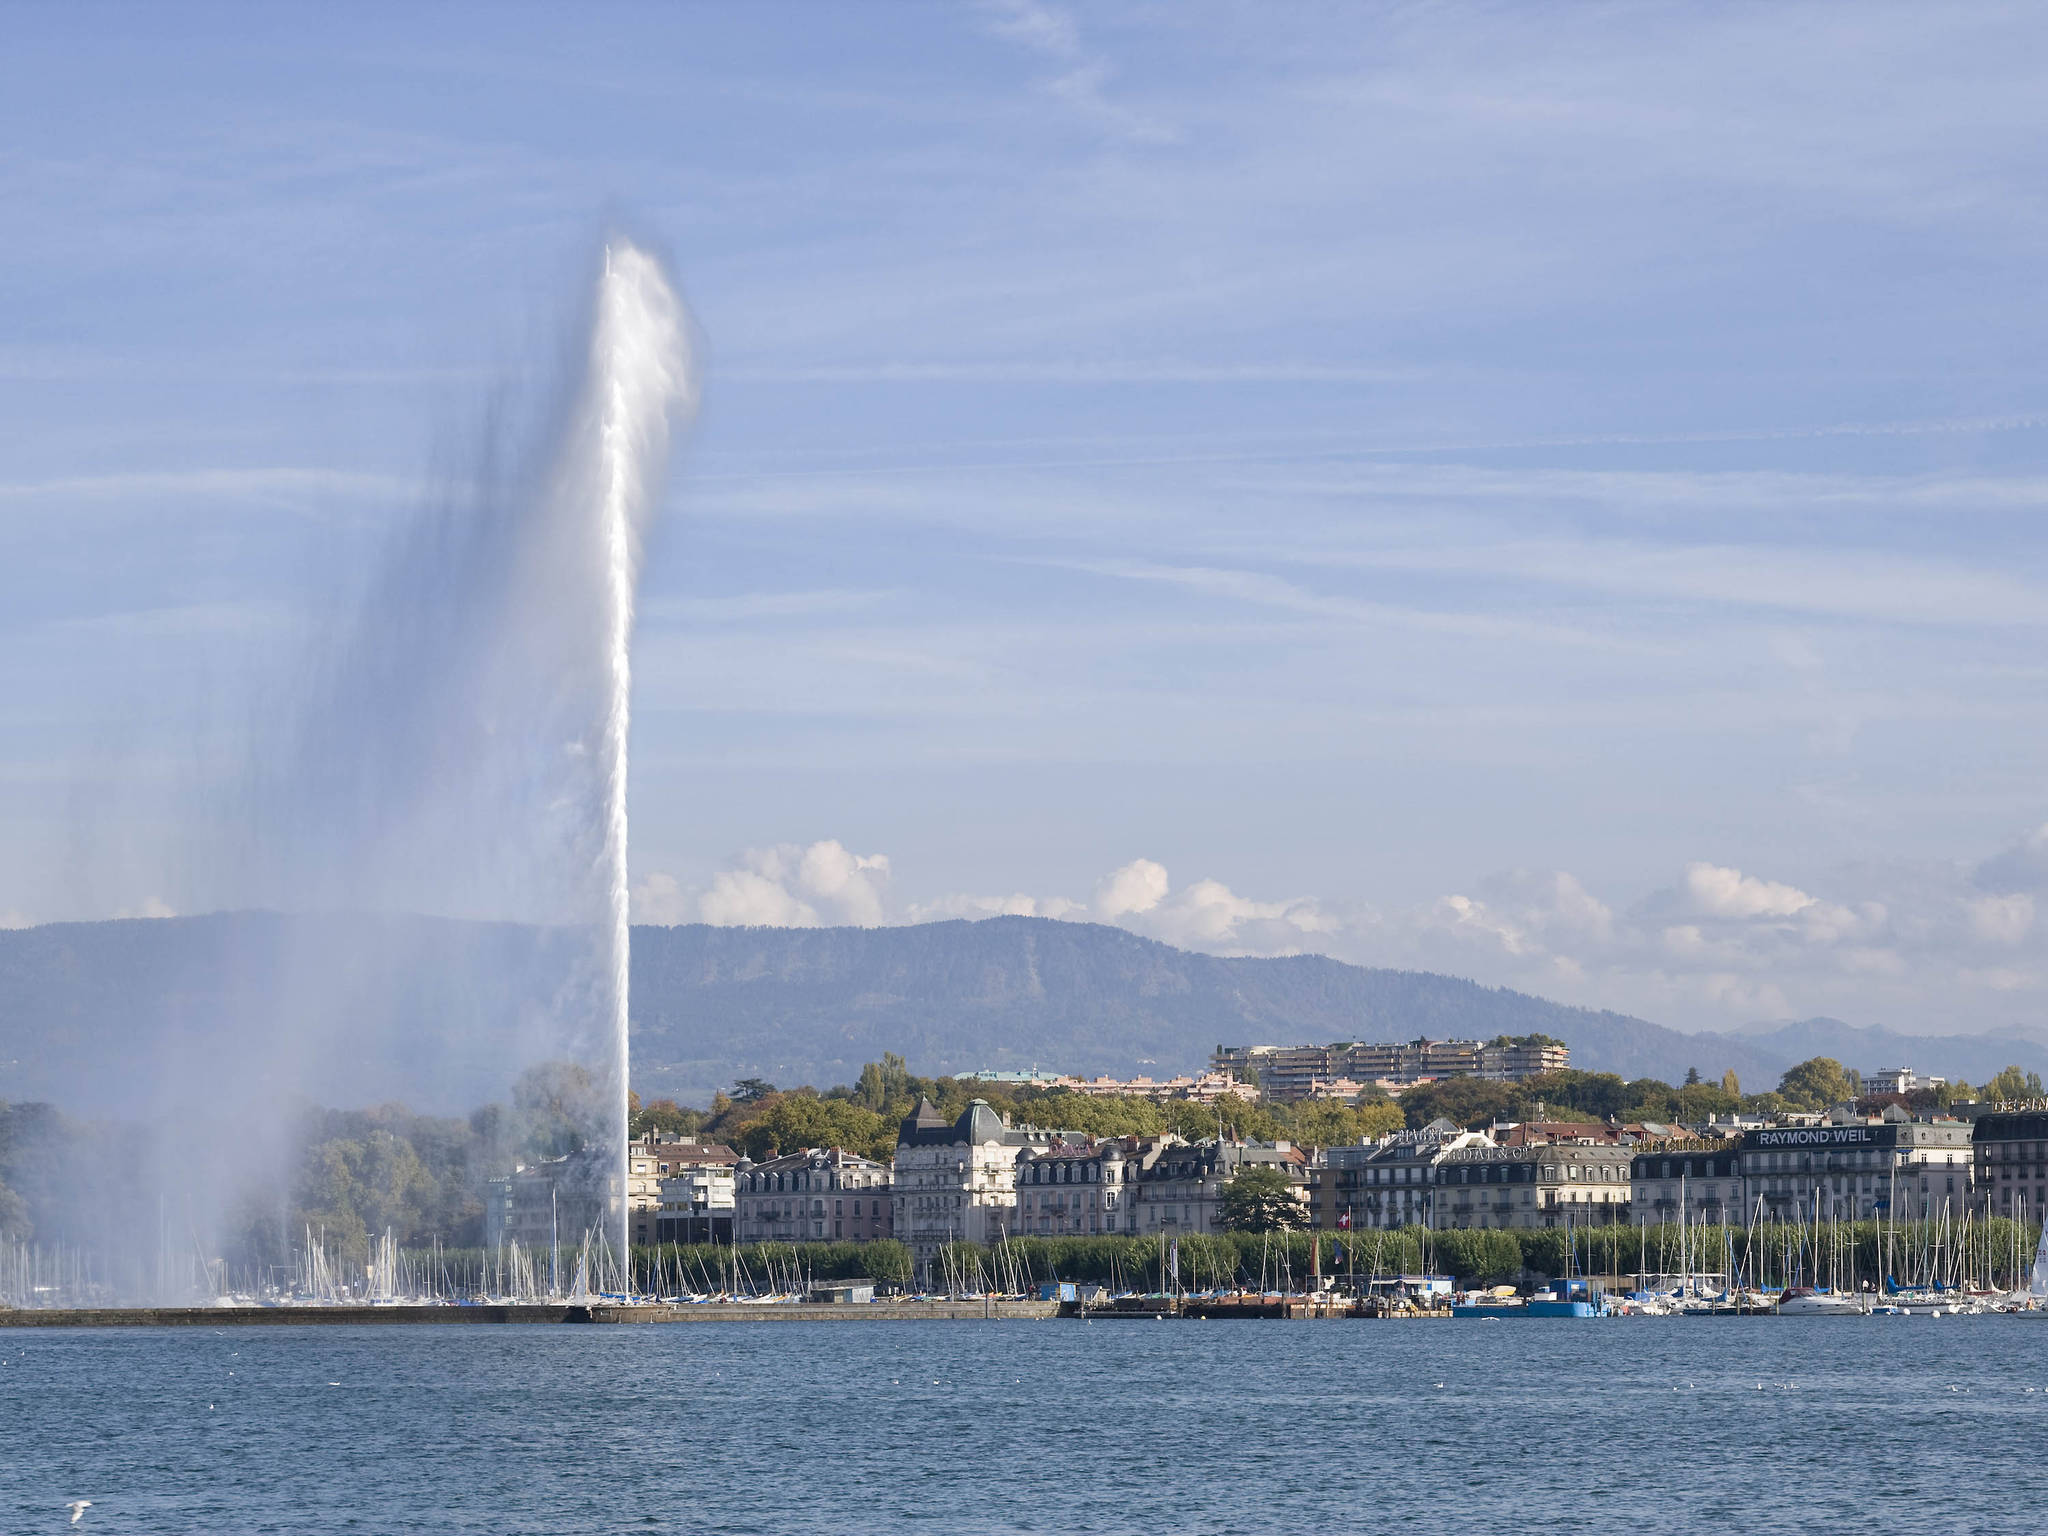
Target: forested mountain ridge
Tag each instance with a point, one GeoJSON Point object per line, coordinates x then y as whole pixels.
{"type": "Point", "coordinates": [810, 1005]}
{"type": "Point", "coordinates": [430, 1011]}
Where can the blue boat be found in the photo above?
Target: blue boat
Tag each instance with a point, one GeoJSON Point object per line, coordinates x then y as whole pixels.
{"type": "Point", "coordinates": [1568, 1298]}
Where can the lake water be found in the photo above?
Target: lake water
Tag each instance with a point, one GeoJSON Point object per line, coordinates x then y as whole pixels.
{"type": "Point", "coordinates": [1749, 1425]}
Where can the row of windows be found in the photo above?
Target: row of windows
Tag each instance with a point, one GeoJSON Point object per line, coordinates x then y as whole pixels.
{"type": "Point", "coordinates": [761, 1182]}
{"type": "Point", "coordinates": [1068, 1173]}
{"type": "Point", "coordinates": [1047, 1202]}
{"type": "Point", "coordinates": [1808, 1162]}
{"type": "Point", "coordinates": [1684, 1167]}
{"type": "Point", "coordinates": [873, 1207]}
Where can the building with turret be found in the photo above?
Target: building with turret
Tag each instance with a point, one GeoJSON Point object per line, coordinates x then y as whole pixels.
{"type": "Point", "coordinates": [956, 1180]}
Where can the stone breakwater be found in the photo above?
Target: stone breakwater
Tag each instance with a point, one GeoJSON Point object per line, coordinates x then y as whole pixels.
{"type": "Point", "coordinates": [550, 1312]}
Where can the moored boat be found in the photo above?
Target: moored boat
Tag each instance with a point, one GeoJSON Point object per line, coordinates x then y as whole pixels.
{"type": "Point", "coordinates": [1567, 1298]}
{"type": "Point", "coordinates": [1807, 1301]}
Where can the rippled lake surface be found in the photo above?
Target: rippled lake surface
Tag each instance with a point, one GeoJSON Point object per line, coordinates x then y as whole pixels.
{"type": "Point", "coordinates": [1737, 1425]}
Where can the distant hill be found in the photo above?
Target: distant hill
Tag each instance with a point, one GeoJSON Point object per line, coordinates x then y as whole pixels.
{"type": "Point", "coordinates": [1973, 1058]}
{"type": "Point", "coordinates": [810, 1005]}
{"type": "Point", "coordinates": [439, 1013]}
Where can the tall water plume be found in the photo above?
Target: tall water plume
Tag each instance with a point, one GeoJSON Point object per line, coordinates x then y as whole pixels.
{"type": "Point", "coordinates": [640, 376]}
{"type": "Point", "coordinates": [453, 742]}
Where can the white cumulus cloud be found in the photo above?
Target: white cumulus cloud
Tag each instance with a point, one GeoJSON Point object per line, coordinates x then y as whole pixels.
{"type": "Point", "coordinates": [746, 898]}
{"type": "Point", "coordinates": [1015, 905]}
{"type": "Point", "coordinates": [2002, 919]}
{"type": "Point", "coordinates": [659, 899]}
{"type": "Point", "coordinates": [1721, 892]}
{"type": "Point", "coordinates": [788, 885]}
{"type": "Point", "coordinates": [1137, 887]}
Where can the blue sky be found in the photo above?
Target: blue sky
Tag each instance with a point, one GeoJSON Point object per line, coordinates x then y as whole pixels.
{"type": "Point", "coordinates": [1546, 493]}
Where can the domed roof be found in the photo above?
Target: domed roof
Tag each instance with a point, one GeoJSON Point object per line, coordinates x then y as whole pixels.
{"type": "Point", "coordinates": [980, 1124]}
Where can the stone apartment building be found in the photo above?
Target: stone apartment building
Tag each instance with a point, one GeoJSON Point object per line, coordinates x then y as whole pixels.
{"type": "Point", "coordinates": [677, 1189]}
{"type": "Point", "coordinates": [2010, 1150]}
{"type": "Point", "coordinates": [1536, 1184]}
{"type": "Point", "coordinates": [553, 1201]}
{"type": "Point", "coordinates": [1689, 1176]}
{"type": "Point", "coordinates": [1389, 1183]}
{"type": "Point", "coordinates": [1080, 1186]}
{"type": "Point", "coordinates": [956, 1180]}
{"type": "Point", "coordinates": [1181, 1188]}
{"type": "Point", "coordinates": [816, 1195]}
{"type": "Point", "coordinates": [1859, 1168]}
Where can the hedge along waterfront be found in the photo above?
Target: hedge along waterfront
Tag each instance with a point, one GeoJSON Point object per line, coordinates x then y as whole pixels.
{"type": "Point", "coordinates": [1995, 1251]}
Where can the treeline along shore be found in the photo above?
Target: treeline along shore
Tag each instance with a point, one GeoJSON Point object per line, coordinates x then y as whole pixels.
{"type": "Point", "coordinates": [1994, 1252]}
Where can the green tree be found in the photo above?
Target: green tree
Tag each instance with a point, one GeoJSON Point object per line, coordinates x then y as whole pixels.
{"type": "Point", "coordinates": [1598, 1094]}
{"type": "Point", "coordinates": [2013, 1083]}
{"type": "Point", "coordinates": [1239, 1120]}
{"type": "Point", "coordinates": [1702, 1101]}
{"type": "Point", "coordinates": [883, 1084]}
{"type": "Point", "coordinates": [354, 1189]}
{"type": "Point", "coordinates": [1261, 1198]}
{"type": "Point", "coordinates": [1064, 1110]}
{"type": "Point", "coordinates": [749, 1089]}
{"type": "Point", "coordinates": [1731, 1084]}
{"type": "Point", "coordinates": [555, 1106]}
{"type": "Point", "coordinates": [14, 1220]}
{"type": "Point", "coordinates": [1327, 1123]}
{"type": "Point", "coordinates": [1465, 1101]}
{"type": "Point", "coordinates": [1650, 1098]}
{"type": "Point", "coordinates": [788, 1122]}
{"type": "Point", "coordinates": [1479, 1257]}
{"type": "Point", "coordinates": [1816, 1084]}
{"type": "Point", "coordinates": [664, 1115]}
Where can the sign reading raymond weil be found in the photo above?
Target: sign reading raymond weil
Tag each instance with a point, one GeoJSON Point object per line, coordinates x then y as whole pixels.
{"type": "Point", "coordinates": [1826, 1136]}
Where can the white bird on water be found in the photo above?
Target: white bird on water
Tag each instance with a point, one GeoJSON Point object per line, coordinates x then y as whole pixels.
{"type": "Point", "coordinates": [78, 1507]}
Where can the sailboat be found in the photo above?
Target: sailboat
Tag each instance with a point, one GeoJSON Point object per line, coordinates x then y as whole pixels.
{"type": "Point", "coordinates": [2034, 1302]}
{"type": "Point", "coordinates": [1813, 1300]}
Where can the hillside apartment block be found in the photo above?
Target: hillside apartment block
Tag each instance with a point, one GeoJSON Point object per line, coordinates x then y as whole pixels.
{"type": "Point", "coordinates": [1288, 1073]}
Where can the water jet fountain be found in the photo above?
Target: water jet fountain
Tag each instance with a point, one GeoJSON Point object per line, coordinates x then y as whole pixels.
{"type": "Point", "coordinates": [462, 746]}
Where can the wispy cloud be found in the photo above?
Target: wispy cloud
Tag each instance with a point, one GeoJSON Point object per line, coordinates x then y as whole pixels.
{"type": "Point", "coordinates": [1081, 75]}
{"type": "Point", "coordinates": [1078, 371]}
{"type": "Point", "coordinates": [751, 607]}
{"type": "Point", "coordinates": [238, 484]}
{"type": "Point", "coordinates": [1262, 589]}
{"type": "Point", "coordinates": [1834, 583]}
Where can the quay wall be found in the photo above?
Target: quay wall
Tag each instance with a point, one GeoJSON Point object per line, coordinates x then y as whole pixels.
{"type": "Point", "coordinates": [545, 1313]}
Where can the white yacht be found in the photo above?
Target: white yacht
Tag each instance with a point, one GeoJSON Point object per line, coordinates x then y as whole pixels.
{"type": "Point", "coordinates": [1805, 1301]}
